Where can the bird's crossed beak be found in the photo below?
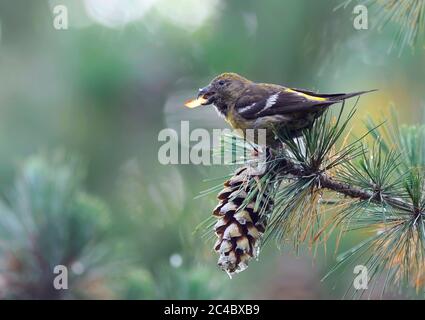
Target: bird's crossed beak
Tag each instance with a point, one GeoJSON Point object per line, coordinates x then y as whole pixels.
{"type": "Point", "coordinates": [205, 96]}
{"type": "Point", "coordinates": [208, 94]}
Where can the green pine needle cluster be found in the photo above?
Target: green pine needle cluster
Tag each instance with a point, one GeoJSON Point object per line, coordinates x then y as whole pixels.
{"type": "Point", "coordinates": [409, 15]}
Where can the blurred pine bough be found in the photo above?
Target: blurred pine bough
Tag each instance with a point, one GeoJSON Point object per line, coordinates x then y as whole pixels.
{"type": "Point", "coordinates": [408, 15]}
{"type": "Point", "coordinates": [47, 219]}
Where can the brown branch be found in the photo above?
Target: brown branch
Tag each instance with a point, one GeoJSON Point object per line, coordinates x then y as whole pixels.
{"type": "Point", "coordinates": [325, 181]}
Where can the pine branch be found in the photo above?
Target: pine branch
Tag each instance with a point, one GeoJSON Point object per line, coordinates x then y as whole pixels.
{"type": "Point", "coordinates": [385, 181]}
{"type": "Point", "coordinates": [327, 182]}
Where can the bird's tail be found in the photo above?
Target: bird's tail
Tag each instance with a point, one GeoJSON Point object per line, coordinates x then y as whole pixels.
{"type": "Point", "coordinates": [343, 96]}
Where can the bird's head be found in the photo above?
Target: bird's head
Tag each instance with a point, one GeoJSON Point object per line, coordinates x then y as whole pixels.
{"type": "Point", "coordinates": [224, 90]}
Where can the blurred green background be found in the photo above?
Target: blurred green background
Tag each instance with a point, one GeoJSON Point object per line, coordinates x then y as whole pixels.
{"type": "Point", "coordinates": [80, 113]}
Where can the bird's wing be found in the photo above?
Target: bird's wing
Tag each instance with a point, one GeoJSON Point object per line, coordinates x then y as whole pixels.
{"type": "Point", "coordinates": [266, 101]}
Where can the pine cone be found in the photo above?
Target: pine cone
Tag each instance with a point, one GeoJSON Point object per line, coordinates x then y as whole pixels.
{"type": "Point", "coordinates": [240, 226]}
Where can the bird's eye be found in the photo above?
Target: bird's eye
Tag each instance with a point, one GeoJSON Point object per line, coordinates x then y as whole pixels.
{"type": "Point", "coordinates": [221, 83]}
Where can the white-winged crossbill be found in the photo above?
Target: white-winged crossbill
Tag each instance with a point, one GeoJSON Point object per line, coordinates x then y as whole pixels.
{"type": "Point", "coordinates": [249, 105]}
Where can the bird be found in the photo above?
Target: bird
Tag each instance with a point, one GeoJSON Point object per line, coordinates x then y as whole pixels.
{"type": "Point", "coordinates": [245, 104]}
